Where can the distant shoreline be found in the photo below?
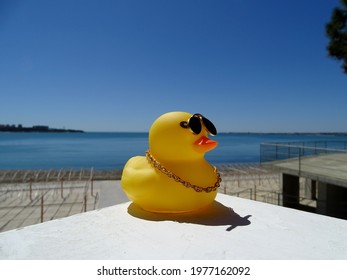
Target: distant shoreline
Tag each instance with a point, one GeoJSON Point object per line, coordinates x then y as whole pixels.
{"type": "Point", "coordinates": [37, 128]}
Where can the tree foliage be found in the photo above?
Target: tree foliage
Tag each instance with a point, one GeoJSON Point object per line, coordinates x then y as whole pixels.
{"type": "Point", "coordinates": [336, 30]}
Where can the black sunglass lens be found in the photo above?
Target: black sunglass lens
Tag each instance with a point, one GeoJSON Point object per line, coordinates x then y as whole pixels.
{"type": "Point", "coordinates": [209, 126]}
{"type": "Point", "coordinates": [195, 124]}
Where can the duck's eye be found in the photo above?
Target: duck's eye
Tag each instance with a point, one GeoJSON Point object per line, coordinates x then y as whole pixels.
{"type": "Point", "coordinates": [184, 124]}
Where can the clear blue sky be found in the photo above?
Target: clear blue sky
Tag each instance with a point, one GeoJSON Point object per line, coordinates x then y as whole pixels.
{"type": "Point", "coordinates": [111, 65]}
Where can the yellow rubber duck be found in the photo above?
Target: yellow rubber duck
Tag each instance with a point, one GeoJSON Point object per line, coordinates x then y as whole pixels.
{"type": "Point", "coordinates": [174, 176]}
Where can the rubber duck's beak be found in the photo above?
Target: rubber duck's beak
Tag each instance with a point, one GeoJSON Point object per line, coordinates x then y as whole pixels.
{"type": "Point", "coordinates": [204, 144]}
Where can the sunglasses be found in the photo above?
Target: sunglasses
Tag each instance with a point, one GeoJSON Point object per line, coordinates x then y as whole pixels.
{"type": "Point", "coordinates": [195, 124]}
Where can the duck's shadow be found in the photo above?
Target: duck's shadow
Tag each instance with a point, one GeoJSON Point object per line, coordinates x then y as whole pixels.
{"type": "Point", "coordinates": [214, 215]}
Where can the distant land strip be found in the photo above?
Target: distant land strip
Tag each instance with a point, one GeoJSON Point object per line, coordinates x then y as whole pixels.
{"type": "Point", "coordinates": [35, 128]}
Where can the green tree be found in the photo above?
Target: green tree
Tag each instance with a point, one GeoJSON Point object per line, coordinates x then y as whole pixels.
{"type": "Point", "coordinates": [336, 30]}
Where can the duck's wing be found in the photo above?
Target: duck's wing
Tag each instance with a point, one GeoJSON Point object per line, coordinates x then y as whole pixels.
{"type": "Point", "coordinates": [137, 175]}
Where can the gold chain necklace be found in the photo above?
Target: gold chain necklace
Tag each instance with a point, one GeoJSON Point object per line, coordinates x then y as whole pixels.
{"type": "Point", "coordinates": [170, 174]}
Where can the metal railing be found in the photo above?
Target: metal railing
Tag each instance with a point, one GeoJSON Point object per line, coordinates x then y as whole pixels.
{"type": "Point", "coordinates": [289, 150]}
{"type": "Point", "coordinates": [263, 187]}
{"type": "Point", "coordinates": [57, 175]}
{"type": "Point", "coordinates": [30, 197]}
{"type": "Point", "coordinates": [43, 202]}
{"type": "Point", "coordinates": [324, 161]}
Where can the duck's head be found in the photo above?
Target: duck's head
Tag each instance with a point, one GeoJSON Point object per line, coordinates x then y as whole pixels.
{"type": "Point", "coordinates": [181, 136]}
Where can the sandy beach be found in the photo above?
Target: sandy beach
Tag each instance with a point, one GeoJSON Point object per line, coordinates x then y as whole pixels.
{"type": "Point", "coordinates": [55, 195]}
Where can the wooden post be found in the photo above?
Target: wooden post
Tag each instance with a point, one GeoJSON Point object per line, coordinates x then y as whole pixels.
{"type": "Point", "coordinates": [91, 187]}
{"type": "Point", "coordinates": [41, 208]}
{"type": "Point", "coordinates": [85, 202]}
{"type": "Point", "coordinates": [91, 181]}
{"type": "Point", "coordinates": [30, 190]}
{"type": "Point", "coordinates": [62, 189]}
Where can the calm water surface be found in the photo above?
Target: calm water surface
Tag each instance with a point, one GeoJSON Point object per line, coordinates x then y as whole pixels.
{"type": "Point", "coordinates": [112, 150]}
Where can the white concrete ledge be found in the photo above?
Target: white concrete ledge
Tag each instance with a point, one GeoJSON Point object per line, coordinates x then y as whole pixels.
{"type": "Point", "coordinates": [252, 230]}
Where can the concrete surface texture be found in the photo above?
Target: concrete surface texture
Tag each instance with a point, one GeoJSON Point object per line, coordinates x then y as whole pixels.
{"type": "Point", "coordinates": [232, 228]}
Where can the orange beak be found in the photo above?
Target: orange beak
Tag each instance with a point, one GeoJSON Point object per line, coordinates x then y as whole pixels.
{"type": "Point", "coordinates": [204, 144]}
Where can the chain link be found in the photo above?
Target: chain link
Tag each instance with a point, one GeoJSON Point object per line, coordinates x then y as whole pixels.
{"type": "Point", "coordinates": [173, 176]}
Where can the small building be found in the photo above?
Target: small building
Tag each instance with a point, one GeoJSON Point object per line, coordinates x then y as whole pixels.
{"type": "Point", "coordinates": [322, 164]}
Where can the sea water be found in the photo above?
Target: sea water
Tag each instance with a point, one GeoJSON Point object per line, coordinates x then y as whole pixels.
{"type": "Point", "coordinates": [112, 150]}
